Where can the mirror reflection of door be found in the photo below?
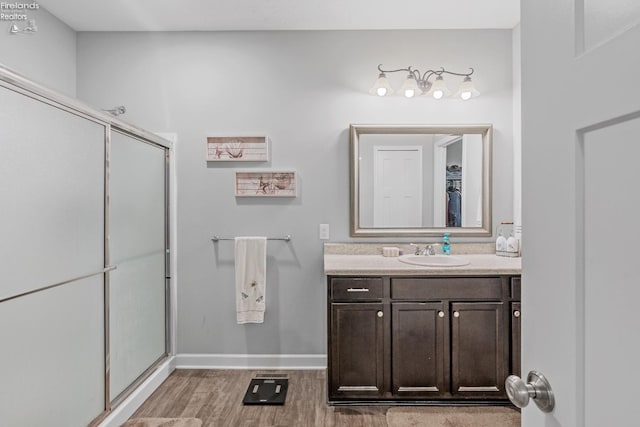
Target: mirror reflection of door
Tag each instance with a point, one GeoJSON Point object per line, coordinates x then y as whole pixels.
{"type": "Point", "coordinates": [454, 184]}
{"type": "Point", "coordinates": [457, 180]}
{"type": "Point", "coordinates": [397, 190]}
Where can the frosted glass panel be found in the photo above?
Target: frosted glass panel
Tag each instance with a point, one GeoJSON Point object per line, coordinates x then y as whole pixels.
{"type": "Point", "coordinates": [51, 191]}
{"type": "Point", "coordinates": [604, 19]}
{"type": "Point", "coordinates": [52, 356]}
{"type": "Point", "coordinates": [137, 239]}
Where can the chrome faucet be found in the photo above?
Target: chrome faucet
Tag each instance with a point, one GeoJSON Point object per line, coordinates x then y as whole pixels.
{"type": "Point", "coordinates": [427, 251]}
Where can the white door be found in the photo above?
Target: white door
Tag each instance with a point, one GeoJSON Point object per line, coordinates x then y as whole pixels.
{"type": "Point", "coordinates": [580, 154]}
{"type": "Point", "coordinates": [397, 190]}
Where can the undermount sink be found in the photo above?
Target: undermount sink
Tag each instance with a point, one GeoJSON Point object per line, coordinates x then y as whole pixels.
{"type": "Point", "coordinates": [434, 260]}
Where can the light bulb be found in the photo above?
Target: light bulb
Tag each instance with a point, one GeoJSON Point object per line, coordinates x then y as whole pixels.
{"type": "Point", "coordinates": [467, 90]}
{"type": "Point", "coordinates": [439, 89]}
{"type": "Point", "coordinates": [410, 87]}
{"type": "Point", "coordinates": [381, 86]}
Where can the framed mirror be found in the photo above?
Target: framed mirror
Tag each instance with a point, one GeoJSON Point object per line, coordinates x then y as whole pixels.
{"type": "Point", "coordinates": [420, 180]}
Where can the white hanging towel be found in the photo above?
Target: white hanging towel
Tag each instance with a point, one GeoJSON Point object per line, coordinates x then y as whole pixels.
{"type": "Point", "coordinates": [251, 278]}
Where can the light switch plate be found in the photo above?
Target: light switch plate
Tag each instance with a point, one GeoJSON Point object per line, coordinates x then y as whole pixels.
{"type": "Point", "coordinates": [324, 232]}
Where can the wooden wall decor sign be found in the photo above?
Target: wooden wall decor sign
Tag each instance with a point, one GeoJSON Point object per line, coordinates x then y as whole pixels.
{"type": "Point", "coordinates": [266, 184]}
{"type": "Point", "coordinates": [237, 149]}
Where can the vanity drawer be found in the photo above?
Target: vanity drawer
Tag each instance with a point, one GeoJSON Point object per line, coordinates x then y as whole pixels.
{"type": "Point", "coordinates": [449, 288]}
{"type": "Point", "coordinates": [356, 288]}
{"type": "Point", "coordinates": [515, 288]}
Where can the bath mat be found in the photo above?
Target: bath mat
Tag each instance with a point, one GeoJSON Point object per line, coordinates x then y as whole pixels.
{"type": "Point", "coordinates": [436, 416]}
{"type": "Point", "coordinates": [163, 422]}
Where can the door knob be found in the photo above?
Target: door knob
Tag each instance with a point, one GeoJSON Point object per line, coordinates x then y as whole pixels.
{"type": "Point", "coordinates": [380, 313]}
{"type": "Point", "coordinates": [537, 388]}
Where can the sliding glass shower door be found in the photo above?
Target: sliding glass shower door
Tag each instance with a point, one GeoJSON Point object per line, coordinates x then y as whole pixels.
{"type": "Point", "coordinates": [83, 251]}
{"type": "Point", "coordinates": [137, 243]}
{"type": "Point", "coordinates": [52, 365]}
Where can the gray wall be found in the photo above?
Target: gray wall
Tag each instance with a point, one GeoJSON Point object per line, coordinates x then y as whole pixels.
{"type": "Point", "coordinates": [302, 89]}
{"type": "Point", "coordinates": [47, 57]}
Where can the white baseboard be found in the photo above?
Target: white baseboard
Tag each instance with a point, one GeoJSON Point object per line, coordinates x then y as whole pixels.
{"type": "Point", "coordinates": [251, 361]}
{"type": "Point", "coordinates": [128, 406]}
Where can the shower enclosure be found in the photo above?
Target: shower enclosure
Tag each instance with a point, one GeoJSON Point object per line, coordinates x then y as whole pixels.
{"type": "Point", "coordinates": [84, 250]}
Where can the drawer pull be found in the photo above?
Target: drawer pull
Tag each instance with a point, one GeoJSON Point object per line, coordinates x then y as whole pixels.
{"type": "Point", "coordinates": [441, 314]}
{"type": "Point", "coordinates": [380, 313]}
{"type": "Point", "coordinates": [516, 313]}
{"type": "Point", "coordinates": [358, 290]}
{"type": "Point", "coordinates": [476, 389]}
{"type": "Point", "coordinates": [456, 314]}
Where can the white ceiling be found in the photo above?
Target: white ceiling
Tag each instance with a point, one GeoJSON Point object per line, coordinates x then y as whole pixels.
{"type": "Point", "coordinates": [226, 15]}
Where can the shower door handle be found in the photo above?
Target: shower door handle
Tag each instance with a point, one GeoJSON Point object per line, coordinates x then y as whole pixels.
{"type": "Point", "coordinates": [106, 269]}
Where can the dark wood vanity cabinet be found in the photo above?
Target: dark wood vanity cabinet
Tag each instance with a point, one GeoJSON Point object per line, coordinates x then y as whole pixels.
{"type": "Point", "coordinates": [356, 325]}
{"type": "Point", "coordinates": [357, 349]}
{"type": "Point", "coordinates": [479, 351]}
{"type": "Point", "coordinates": [418, 359]}
{"type": "Point", "coordinates": [421, 338]}
{"type": "Point", "coordinates": [515, 326]}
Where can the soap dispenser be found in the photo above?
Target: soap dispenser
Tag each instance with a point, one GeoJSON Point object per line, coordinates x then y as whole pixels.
{"type": "Point", "coordinates": [501, 244]}
{"type": "Point", "coordinates": [513, 246]}
{"type": "Point", "coordinates": [446, 247]}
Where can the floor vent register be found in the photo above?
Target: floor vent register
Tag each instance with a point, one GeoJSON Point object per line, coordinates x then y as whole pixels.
{"type": "Point", "coordinates": [267, 389]}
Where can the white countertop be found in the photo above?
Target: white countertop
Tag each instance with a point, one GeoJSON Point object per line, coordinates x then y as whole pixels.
{"type": "Point", "coordinates": [378, 265]}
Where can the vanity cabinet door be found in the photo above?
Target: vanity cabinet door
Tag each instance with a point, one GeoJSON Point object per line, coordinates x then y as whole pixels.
{"type": "Point", "coordinates": [479, 354]}
{"type": "Point", "coordinates": [515, 338]}
{"type": "Point", "coordinates": [357, 350]}
{"type": "Point", "coordinates": [419, 355]}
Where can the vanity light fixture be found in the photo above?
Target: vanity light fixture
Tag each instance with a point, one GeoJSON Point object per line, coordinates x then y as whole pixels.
{"type": "Point", "coordinates": [418, 83]}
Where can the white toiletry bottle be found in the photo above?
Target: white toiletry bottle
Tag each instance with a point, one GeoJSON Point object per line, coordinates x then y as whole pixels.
{"type": "Point", "coordinates": [512, 244]}
{"type": "Point", "coordinates": [501, 243]}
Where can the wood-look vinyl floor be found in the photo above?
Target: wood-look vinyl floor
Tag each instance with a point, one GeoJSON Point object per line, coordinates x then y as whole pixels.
{"type": "Point", "coordinates": [215, 397]}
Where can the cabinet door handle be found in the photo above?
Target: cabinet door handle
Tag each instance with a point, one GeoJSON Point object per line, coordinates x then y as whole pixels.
{"type": "Point", "coordinates": [516, 313]}
{"type": "Point", "coordinates": [358, 290]}
{"type": "Point", "coordinates": [456, 314]}
{"type": "Point", "coordinates": [441, 314]}
{"type": "Point", "coordinates": [380, 313]}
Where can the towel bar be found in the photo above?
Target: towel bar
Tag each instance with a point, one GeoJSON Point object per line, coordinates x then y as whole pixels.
{"type": "Point", "coordinates": [286, 238]}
